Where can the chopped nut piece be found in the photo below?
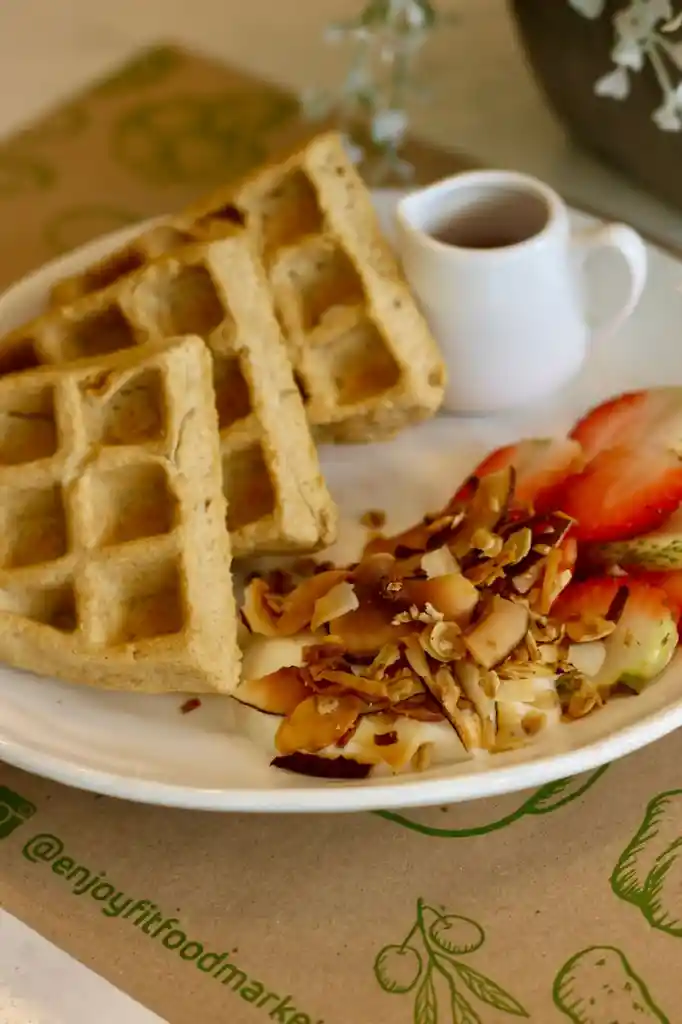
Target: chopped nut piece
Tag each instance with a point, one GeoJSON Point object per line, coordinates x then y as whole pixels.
{"type": "Point", "coordinates": [373, 519]}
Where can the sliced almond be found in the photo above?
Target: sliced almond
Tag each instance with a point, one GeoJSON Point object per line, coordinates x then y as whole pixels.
{"type": "Point", "coordinates": [440, 562]}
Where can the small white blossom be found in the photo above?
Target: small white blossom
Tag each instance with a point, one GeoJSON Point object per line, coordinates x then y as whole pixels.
{"type": "Point", "coordinates": [589, 8]}
{"type": "Point", "coordinates": [642, 29]}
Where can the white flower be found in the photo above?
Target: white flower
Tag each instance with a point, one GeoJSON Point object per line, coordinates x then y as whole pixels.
{"type": "Point", "coordinates": [588, 8]}
{"type": "Point", "coordinates": [667, 117]}
{"type": "Point", "coordinates": [642, 30]}
{"type": "Point", "coordinates": [389, 126]}
{"type": "Point", "coordinates": [628, 54]}
{"type": "Point", "coordinates": [616, 84]}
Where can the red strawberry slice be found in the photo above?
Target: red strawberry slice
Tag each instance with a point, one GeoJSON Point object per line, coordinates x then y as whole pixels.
{"type": "Point", "coordinates": [597, 596]}
{"type": "Point", "coordinates": [541, 464]}
{"type": "Point", "coordinates": [650, 416]}
{"type": "Point", "coordinates": [623, 492]}
{"type": "Point", "coordinates": [587, 598]}
{"type": "Point", "coordinates": [670, 583]}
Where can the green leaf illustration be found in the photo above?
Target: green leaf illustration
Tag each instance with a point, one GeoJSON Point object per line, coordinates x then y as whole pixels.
{"type": "Point", "coordinates": [547, 799]}
{"type": "Point", "coordinates": [488, 991]}
{"type": "Point", "coordinates": [462, 1012]}
{"type": "Point", "coordinates": [557, 794]}
{"type": "Point", "coordinates": [426, 1003]}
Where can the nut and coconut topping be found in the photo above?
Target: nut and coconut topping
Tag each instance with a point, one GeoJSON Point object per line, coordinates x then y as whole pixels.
{"type": "Point", "coordinates": [449, 622]}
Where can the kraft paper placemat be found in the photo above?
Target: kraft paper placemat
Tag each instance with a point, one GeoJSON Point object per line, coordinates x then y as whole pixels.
{"type": "Point", "coordinates": [563, 904]}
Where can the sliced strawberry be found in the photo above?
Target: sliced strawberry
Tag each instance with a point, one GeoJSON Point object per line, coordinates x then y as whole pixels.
{"type": "Point", "coordinates": [623, 492]}
{"type": "Point", "coordinates": [645, 636]}
{"type": "Point", "coordinates": [541, 465]}
{"type": "Point", "coordinates": [587, 598]}
{"type": "Point", "coordinates": [671, 585]}
{"type": "Point", "coordinates": [653, 416]}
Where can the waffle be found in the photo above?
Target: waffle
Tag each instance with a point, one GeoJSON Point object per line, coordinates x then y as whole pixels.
{"type": "Point", "coordinates": [276, 497]}
{"type": "Point", "coordinates": [363, 356]}
{"type": "Point", "coordinates": [114, 559]}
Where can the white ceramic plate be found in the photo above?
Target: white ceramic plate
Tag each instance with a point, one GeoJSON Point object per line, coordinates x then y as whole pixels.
{"type": "Point", "coordinates": [142, 748]}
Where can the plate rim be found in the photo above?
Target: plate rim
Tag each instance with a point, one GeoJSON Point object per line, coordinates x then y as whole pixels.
{"type": "Point", "coordinates": [330, 797]}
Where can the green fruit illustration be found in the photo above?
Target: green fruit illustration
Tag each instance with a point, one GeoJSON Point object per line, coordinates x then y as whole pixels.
{"type": "Point", "coordinates": [426, 955]}
{"type": "Point", "coordinates": [545, 800]}
{"type": "Point", "coordinates": [150, 67]}
{"type": "Point", "coordinates": [79, 224]}
{"type": "Point", "coordinates": [649, 871]}
{"type": "Point", "coordinates": [455, 934]}
{"type": "Point", "coordinates": [198, 139]}
{"type": "Point", "coordinates": [20, 173]}
{"type": "Point", "coordinates": [398, 968]}
{"type": "Point", "coordinates": [598, 986]}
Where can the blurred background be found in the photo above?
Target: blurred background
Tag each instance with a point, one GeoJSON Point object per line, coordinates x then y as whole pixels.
{"type": "Point", "coordinates": [483, 96]}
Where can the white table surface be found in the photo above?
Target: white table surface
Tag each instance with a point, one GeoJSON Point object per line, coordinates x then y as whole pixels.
{"type": "Point", "coordinates": [484, 101]}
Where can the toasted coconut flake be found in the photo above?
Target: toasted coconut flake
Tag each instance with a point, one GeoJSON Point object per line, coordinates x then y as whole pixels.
{"type": "Point", "coordinates": [298, 607]}
{"type": "Point", "coordinates": [524, 690]}
{"type": "Point", "coordinates": [470, 677]}
{"type": "Point", "coordinates": [517, 545]}
{"type": "Point", "coordinates": [498, 633]}
{"type": "Point", "coordinates": [258, 614]}
{"type": "Point", "coordinates": [278, 693]}
{"type": "Point", "coordinates": [416, 658]}
{"type": "Point", "coordinates": [549, 654]}
{"type": "Point", "coordinates": [554, 580]}
{"type": "Point", "coordinates": [485, 510]}
{"type": "Point", "coordinates": [587, 658]}
{"type": "Point", "coordinates": [440, 562]}
{"type": "Point", "coordinates": [308, 729]}
{"type": "Point", "coordinates": [338, 601]}
{"type": "Point", "coordinates": [366, 630]}
{"type": "Point", "coordinates": [525, 581]}
{"type": "Point", "coordinates": [452, 597]}
{"type": "Point", "coordinates": [489, 543]}
{"type": "Point", "coordinates": [387, 656]}
{"type": "Point", "coordinates": [422, 708]}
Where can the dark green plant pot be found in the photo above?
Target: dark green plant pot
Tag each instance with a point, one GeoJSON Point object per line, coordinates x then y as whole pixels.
{"type": "Point", "coordinates": [567, 54]}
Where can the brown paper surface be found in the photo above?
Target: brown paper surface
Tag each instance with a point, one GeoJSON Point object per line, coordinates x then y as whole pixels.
{"type": "Point", "coordinates": [563, 904]}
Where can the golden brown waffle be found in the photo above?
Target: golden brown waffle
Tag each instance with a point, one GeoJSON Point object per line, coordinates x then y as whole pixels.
{"type": "Point", "coordinates": [276, 495]}
{"type": "Point", "coordinates": [363, 356]}
{"type": "Point", "coordinates": [114, 559]}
